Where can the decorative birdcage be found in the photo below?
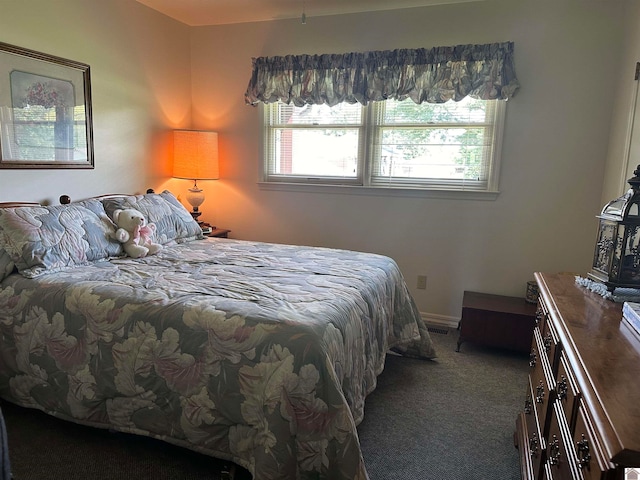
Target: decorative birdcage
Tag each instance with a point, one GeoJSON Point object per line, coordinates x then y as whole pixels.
{"type": "Point", "coordinates": [616, 261]}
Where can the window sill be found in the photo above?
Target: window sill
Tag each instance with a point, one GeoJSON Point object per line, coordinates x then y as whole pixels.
{"type": "Point", "coordinates": [380, 191]}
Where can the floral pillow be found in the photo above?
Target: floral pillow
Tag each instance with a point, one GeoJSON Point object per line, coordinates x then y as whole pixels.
{"type": "Point", "coordinates": [45, 239]}
{"type": "Point", "coordinates": [174, 223]}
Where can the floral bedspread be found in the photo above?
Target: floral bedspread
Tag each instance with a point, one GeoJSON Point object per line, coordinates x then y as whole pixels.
{"type": "Point", "coordinates": [257, 353]}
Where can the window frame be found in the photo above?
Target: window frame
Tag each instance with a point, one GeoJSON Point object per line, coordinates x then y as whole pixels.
{"type": "Point", "coordinates": [365, 182]}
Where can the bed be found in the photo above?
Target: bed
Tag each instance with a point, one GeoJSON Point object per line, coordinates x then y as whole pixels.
{"type": "Point", "coordinates": [257, 353]}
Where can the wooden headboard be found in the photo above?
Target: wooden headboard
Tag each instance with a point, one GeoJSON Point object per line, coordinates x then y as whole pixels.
{"type": "Point", "coordinates": [18, 204]}
{"type": "Point", "coordinates": [66, 199]}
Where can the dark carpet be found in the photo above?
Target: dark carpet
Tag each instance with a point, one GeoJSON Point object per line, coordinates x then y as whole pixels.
{"type": "Point", "coordinates": [452, 418]}
{"type": "Point", "coordinates": [447, 419]}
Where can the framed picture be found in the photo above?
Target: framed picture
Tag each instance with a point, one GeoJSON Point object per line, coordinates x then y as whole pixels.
{"type": "Point", "coordinates": [45, 111]}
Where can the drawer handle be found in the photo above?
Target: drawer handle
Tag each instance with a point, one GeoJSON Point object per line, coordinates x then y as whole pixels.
{"type": "Point", "coordinates": [563, 388]}
{"type": "Point", "coordinates": [584, 456]}
{"type": "Point", "coordinates": [533, 445]}
{"type": "Point", "coordinates": [554, 451]}
{"type": "Point", "coordinates": [533, 358]}
{"type": "Point", "coordinates": [547, 342]}
{"type": "Point", "coordinates": [528, 404]}
{"type": "Point", "coordinates": [540, 392]}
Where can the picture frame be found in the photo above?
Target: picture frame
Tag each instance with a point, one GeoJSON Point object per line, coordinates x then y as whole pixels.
{"type": "Point", "coordinates": [45, 111]}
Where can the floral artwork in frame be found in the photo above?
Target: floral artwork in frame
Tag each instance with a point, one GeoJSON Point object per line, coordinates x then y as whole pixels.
{"type": "Point", "coordinates": [45, 111]}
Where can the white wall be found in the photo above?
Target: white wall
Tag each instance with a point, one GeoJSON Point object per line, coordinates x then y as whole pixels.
{"type": "Point", "coordinates": [556, 137]}
{"type": "Point", "coordinates": [141, 86]}
{"type": "Point", "coordinates": [620, 164]}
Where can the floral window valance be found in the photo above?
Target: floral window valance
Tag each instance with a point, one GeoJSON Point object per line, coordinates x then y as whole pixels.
{"type": "Point", "coordinates": [424, 75]}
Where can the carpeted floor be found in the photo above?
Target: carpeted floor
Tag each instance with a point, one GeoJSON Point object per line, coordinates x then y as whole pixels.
{"type": "Point", "coordinates": [447, 419]}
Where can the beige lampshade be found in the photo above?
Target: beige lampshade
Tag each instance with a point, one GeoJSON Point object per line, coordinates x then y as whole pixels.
{"type": "Point", "coordinates": [195, 155]}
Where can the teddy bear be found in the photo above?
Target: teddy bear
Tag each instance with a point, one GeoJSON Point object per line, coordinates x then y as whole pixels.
{"type": "Point", "coordinates": [134, 233]}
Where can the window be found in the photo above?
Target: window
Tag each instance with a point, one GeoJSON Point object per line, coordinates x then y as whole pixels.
{"type": "Point", "coordinates": [398, 144]}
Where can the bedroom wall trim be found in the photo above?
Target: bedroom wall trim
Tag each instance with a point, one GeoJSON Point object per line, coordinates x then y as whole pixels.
{"type": "Point", "coordinates": [379, 191]}
{"type": "Point", "coordinates": [435, 320]}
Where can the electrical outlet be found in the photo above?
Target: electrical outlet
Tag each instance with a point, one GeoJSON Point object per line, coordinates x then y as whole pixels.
{"type": "Point", "coordinates": [422, 282]}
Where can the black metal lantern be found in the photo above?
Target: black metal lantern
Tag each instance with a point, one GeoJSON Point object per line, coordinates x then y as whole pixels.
{"type": "Point", "coordinates": [616, 261]}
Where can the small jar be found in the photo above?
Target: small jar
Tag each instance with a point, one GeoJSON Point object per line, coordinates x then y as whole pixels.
{"type": "Point", "coordinates": [532, 292]}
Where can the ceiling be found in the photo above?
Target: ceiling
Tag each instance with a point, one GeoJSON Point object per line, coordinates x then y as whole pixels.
{"type": "Point", "coordinates": [219, 12]}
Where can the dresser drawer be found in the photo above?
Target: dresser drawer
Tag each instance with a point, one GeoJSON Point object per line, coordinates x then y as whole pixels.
{"type": "Point", "coordinates": [560, 456]}
{"type": "Point", "coordinates": [535, 439]}
{"type": "Point", "coordinates": [551, 345]}
{"type": "Point", "coordinates": [542, 315]}
{"type": "Point", "coordinates": [530, 412]}
{"type": "Point", "coordinates": [542, 382]}
{"type": "Point", "coordinates": [587, 451]}
{"type": "Point", "coordinates": [567, 391]}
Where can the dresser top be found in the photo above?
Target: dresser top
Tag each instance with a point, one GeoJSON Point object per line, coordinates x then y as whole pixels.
{"type": "Point", "coordinates": [606, 361]}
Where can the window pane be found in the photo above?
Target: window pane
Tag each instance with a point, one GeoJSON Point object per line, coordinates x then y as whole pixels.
{"type": "Point", "coordinates": [316, 152]}
{"type": "Point", "coordinates": [438, 153]}
{"type": "Point", "coordinates": [468, 110]}
{"type": "Point", "coordinates": [341, 114]}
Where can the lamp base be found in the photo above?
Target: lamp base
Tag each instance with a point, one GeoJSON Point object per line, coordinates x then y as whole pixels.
{"type": "Point", "coordinates": [195, 197]}
{"type": "Point", "coordinates": [196, 214]}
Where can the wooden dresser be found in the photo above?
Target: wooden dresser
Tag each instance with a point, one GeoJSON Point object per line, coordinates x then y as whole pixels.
{"type": "Point", "coordinates": [581, 416]}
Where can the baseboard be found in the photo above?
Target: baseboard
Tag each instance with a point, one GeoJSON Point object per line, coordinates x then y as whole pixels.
{"type": "Point", "coordinates": [441, 321]}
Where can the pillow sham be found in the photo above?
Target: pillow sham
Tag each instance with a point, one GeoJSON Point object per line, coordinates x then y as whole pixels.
{"type": "Point", "coordinates": [46, 239]}
{"type": "Point", "coordinates": [174, 223]}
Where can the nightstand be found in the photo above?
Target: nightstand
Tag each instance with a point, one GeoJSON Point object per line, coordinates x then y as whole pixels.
{"type": "Point", "coordinates": [218, 232]}
{"type": "Point", "coordinates": [497, 321]}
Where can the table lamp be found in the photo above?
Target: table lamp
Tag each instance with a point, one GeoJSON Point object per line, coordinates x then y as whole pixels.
{"type": "Point", "coordinates": [195, 157]}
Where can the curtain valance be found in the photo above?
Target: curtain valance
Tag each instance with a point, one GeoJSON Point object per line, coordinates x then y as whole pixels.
{"type": "Point", "coordinates": [433, 75]}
